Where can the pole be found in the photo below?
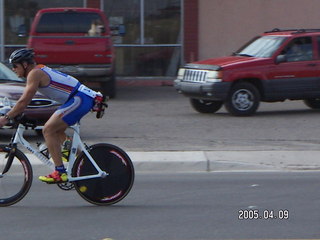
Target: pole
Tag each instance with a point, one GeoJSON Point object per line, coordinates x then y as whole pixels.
{"type": "Point", "coordinates": [1, 30]}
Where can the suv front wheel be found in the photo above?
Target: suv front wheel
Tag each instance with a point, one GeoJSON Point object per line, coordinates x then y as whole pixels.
{"type": "Point", "coordinates": [243, 99]}
{"type": "Point", "coordinates": [205, 106]}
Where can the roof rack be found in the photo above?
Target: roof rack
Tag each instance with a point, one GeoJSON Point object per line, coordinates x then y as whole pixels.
{"type": "Point", "coordinates": [301, 30]}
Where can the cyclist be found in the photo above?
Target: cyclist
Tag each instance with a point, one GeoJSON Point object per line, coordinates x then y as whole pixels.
{"type": "Point", "coordinates": [76, 100]}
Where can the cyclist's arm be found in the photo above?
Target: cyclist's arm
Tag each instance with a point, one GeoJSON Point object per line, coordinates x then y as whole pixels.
{"type": "Point", "coordinates": [33, 82]}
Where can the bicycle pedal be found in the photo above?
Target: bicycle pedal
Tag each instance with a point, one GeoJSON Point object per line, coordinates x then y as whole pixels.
{"type": "Point", "coordinates": [66, 186]}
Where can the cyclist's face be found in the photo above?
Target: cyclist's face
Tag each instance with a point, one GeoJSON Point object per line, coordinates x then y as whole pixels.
{"type": "Point", "coordinates": [18, 69]}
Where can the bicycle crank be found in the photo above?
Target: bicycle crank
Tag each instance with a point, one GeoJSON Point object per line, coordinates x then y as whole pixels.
{"type": "Point", "coordinates": [66, 186]}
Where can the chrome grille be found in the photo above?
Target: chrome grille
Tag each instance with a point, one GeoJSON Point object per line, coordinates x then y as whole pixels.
{"type": "Point", "coordinates": [191, 75]}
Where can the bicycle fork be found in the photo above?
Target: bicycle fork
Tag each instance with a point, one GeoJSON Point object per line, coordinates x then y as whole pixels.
{"type": "Point", "coordinates": [10, 156]}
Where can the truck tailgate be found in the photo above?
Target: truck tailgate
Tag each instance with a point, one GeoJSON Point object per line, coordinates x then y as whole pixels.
{"type": "Point", "coordinates": [72, 50]}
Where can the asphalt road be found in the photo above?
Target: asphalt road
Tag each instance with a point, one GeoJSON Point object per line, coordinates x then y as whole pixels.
{"type": "Point", "coordinates": [191, 206]}
{"type": "Point", "coordinates": [183, 206]}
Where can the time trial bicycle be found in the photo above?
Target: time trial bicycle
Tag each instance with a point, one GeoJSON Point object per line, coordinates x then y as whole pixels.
{"type": "Point", "coordinates": [102, 174]}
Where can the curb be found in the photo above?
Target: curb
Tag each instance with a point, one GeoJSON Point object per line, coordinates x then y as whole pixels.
{"type": "Point", "coordinates": [211, 161]}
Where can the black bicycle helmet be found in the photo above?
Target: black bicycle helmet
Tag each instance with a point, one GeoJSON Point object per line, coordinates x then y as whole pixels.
{"type": "Point", "coordinates": [22, 55]}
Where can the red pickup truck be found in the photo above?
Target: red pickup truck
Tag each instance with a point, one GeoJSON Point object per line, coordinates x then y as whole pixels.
{"type": "Point", "coordinates": [76, 41]}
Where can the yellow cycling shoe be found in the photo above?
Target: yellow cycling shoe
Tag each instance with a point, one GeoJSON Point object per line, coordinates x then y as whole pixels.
{"type": "Point", "coordinates": [65, 155]}
{"type": "Point", "coordinates": [54, 177]}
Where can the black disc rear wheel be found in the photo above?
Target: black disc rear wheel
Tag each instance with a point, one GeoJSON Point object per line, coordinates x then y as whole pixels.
{"type": "Point", "coordinates": [111, 188]}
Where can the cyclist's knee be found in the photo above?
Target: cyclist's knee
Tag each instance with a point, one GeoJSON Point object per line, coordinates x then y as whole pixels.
{"type": "Point", "coordinates": [47, 130]}
{"type": "Point", "coordinates": [54, 126]}
{"type": "Point", "coordinates": [50, 129]}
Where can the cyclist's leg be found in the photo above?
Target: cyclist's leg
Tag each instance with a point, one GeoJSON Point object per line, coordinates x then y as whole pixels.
{"type": "Point", "coordinates": [67, 114]}
{"type": "Point", "coordinates": [54, 129]}
{"type": "Point", "coordinates": [64, 140]}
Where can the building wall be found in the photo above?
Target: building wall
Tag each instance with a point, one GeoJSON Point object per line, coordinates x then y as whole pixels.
{"type": "Point", "coordinates": [225, 25]}
{"type": "Point", "coordinates": [191, 30]}
{"type": "Point", "coordinates": [93, 3]}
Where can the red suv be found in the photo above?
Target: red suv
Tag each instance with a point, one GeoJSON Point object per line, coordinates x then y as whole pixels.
{"type": "Point", "coordinates": [75, 41]}
{"type": "Point", "coordinates": [278, 65]}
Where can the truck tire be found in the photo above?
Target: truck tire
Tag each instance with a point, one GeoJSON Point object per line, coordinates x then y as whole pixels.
{"type": "Point", "coordinates": [313, 103]}
{"type": "Point", "coordinates": [108, 88]}
{"type": "Point", "coordinates": [243, 99]}
{"type": "Point", "coordinates": [205, 106]}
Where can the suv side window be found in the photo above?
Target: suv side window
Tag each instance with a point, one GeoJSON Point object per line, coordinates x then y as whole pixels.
{"type": "Point", "coordinates": [299, 49]}
{"type": "Point", "coordinates": [68, 22]}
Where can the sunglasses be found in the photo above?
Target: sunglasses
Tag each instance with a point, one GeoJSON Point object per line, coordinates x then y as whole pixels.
{"type": "Point", "coordinates": [14, 65]}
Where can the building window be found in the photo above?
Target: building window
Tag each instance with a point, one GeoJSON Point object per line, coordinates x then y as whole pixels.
{"type": "Point", "coordinates": [148, 61]}
{"type": "Point", "coordinates": [162, 22]}
{"type": "Point", "coordinates": [149, 43]}
{"type": "Point", "coordinates": [124, 14]}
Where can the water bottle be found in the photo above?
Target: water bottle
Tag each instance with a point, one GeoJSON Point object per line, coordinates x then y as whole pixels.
{"type": "Point", "coordinates": [67, 144]}
{"type": "Point", "coordinates": [65, 150]}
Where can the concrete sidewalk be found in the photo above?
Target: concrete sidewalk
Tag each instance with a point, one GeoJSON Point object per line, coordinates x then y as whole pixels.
{"type": "Point", "coordinates": [210, 161]}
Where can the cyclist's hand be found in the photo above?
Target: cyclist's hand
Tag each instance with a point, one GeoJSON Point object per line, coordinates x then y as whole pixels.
{"type": "Point", "coordinates": [3, 121]}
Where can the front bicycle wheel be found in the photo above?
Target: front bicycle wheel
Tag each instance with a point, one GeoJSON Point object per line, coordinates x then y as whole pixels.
{"type": "Point", "coordinates": [16, 182]}
{"type": "Point", "coordinates": [105, 190]}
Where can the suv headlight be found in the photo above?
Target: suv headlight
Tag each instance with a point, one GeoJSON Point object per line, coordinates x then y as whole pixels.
{"type": "Point", "coordinates": [214, 76]}
{"type": "Point", "coordinates": [181, 73]}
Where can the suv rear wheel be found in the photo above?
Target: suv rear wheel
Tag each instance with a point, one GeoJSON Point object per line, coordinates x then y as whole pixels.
{"type": "Point", "coordinates": [243, 99]}
{"type": "Point", "coordinates": [205, 106]}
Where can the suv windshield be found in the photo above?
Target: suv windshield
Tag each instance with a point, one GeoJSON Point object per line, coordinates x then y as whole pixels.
{"type": "Point", "coordinates": [262, 47]}
{"type": "Point", "coordinates": [68, 22]}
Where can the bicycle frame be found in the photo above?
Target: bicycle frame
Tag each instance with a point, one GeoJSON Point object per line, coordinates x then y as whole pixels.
{"type": "Point", "coordinates": [76, 144]}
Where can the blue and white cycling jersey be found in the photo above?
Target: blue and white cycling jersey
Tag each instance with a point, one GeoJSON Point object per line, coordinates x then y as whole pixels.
{"type": "Point", "coordinates": [76, 99]}
{"type": "Point", "coordinates": [61, 85]}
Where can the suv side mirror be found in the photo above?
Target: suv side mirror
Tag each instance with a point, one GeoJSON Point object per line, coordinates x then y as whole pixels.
{"type": "Point", "coordinates": [281, 59]}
